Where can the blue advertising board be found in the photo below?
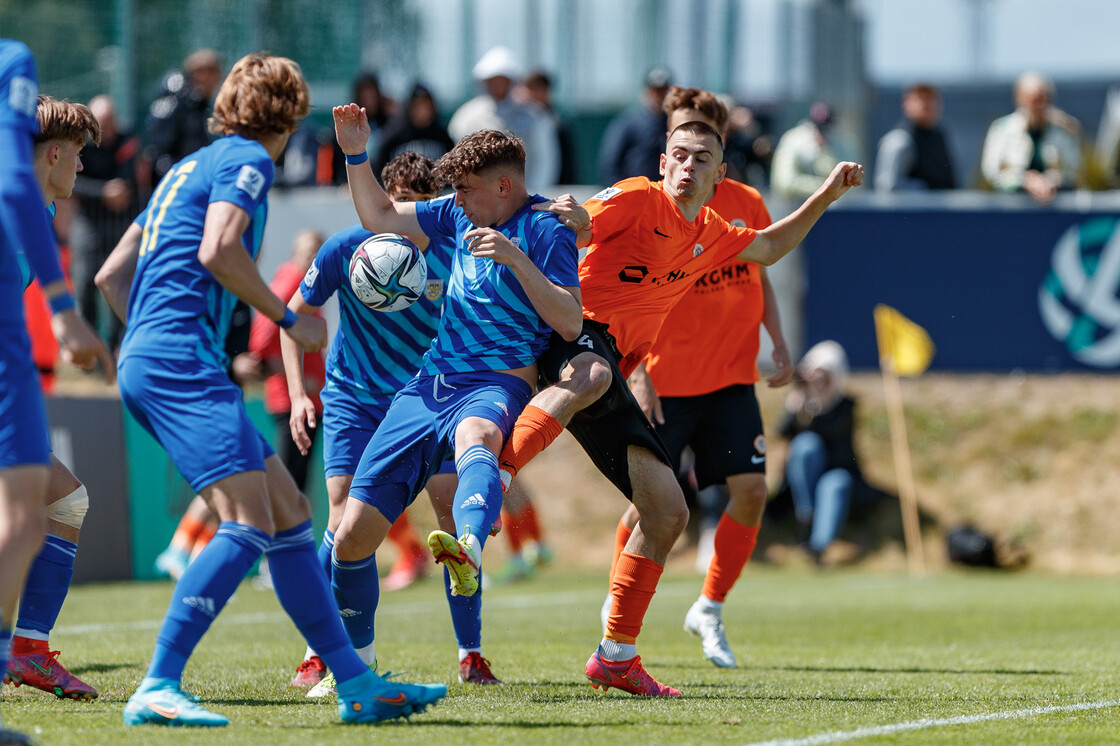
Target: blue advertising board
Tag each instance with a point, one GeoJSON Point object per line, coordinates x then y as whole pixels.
{"type": "Point", "coordinates": [997, 287]}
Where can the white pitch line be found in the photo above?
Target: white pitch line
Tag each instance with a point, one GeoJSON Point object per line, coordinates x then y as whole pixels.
{"type": "Point", "coordinates": [886, 730]}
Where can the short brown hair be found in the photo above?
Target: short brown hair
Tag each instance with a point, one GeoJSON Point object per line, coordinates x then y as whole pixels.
{"type": "Point", "coordinates": [261, 95]}
{"type": "Point", "coordinates": [697, 127]}
{"type": "Point", "coordinates": [921, 89]}
{"type": "Point", "coordinates": [62, 120]}
{"type": "Point", "coordinates": [700, 100]}
{"type": "Point", "coordinates": [481, 151]}
{"type": "Point", "coordinates": [411, 171]}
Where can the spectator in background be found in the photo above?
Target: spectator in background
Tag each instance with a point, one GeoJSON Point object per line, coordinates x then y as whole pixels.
{"type": "Point", "coordinates": [176, 123]}
{"type": "Point", "coordinates": [108, 200]}
{"type": "Point", "coordinates": [496, 109]}
{"type": "Point", "coordinates": [538, 88]}
{"type": "Point", "coordinates": [634, 140]}
{"type": "Point", "coordinates": [379, 109]}
{"type": "Point", "coordinates": [1035, 148]}
{"type": "Point", "coordinates": [750, 148]}
{"type": "Point", "coordinates": [822, 473]}
{"type": "Point", "coordinates": [915, 154]}
{"type": "Point", "coordinates": [415, 129]}
{"type": "Point", "coordinates": [807, 153]}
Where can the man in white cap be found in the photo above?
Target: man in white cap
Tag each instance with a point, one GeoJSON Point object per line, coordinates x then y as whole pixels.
{"type": "Point", "coordinates": [495, 109]}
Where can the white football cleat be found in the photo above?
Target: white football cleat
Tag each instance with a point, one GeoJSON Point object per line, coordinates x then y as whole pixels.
{"type": "Point", "coordinates": [708, 626]}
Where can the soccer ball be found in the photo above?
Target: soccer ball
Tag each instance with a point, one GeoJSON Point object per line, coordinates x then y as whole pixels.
{"type": "Point", "coordinates": [388, 272]}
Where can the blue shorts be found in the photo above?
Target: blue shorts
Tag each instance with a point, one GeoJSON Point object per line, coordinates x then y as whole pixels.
{"type": "Point", "coordinates": [418, 432]}
{"type": "Point", "coordinates": [24, 435]}
{"type": "Point", "coordinates": [196, 413]}
{"type": "Point", "coordinates": [349, 423]}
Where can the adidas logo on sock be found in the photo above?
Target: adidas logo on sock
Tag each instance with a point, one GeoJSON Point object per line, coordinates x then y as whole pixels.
{"type": "Point", "coordinates": [475, 499]}
{"type": "Point", "coordinates": [347, 613]}
{"type": "Point", "coordinates": [202, 603]}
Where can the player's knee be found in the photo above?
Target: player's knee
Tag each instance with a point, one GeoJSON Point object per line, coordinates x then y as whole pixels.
{"type": "Point", "coordinates": [591, 376]}
{"type": "Point", "coordinates": [71, 509]}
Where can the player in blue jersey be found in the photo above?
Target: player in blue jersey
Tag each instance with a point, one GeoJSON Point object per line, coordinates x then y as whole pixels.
{"type": "Point", "coordinates": [191, 253]}
{"type": "Point", "coordinates": [373, 355]}
{"type": "Point", "coordinates": [64, 129]}
{"type": "Point", "coordinates": [24, 441]}
{"type": "Point", "coordinates": [513, 281]}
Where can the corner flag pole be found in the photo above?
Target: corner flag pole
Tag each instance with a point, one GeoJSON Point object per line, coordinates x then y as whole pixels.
{"type": "Point", "coordinates": [900, 445]}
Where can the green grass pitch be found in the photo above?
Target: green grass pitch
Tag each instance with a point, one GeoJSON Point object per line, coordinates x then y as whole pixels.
{"type": "Point", "coordinates": [831, 657]}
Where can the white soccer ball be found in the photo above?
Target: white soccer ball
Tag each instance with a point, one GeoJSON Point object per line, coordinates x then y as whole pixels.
{"type": "Point", "coordinates": [388, 272]}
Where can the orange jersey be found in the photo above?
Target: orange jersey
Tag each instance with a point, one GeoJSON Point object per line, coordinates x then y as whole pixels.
{"type": "Point", "coordinates": [643, 257]}
{"type": "Point", "coordinates": [709, 341]}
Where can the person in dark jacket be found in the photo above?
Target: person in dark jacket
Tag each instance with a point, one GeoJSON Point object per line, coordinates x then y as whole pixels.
{"type": "Point", "coordinates": [177, 117]}
{"type": "Point", "coordinates": [915, 154]}
{"type": "Point", "coordinates": [822, 471]}
{"type": "Point", "coordinates": [415, 129]}
{"type": "Point", "coordinates": [634, 140]}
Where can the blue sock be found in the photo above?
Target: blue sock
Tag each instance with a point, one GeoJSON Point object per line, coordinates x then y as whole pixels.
{"type": "Point", "coordinates": [202, 592]}
{"type": "Point", "coordinates": [303, 592]}
{"type": "Point", "coordinates": [478, 499]}
{"type": "Point", "coordinates": [46, 586]}
{"type": "Point", "coordinates": [5, 647]}
{"type": "Point", "coordinates": [356, 592]}
{"type": "Point", "coordinates": [466, 615]}
{"type": "Point", "coordinates": [326, 549]}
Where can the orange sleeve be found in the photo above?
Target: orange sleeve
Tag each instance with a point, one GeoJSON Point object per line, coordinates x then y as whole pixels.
{"type": "Point", "coordinates": [613, 209]}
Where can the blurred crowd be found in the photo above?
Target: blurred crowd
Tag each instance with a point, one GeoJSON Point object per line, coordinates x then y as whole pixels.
{"type": "Point", "coordinates": [1036, 149]}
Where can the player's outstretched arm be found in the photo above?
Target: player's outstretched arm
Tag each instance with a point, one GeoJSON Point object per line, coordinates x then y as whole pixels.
{"type": "Point", "coordinates": [114, 279]}
{"type": "Point", "coordinates": [223, 255]}
{"type": "Point", "coordinates": [772, 243]}
{"type": "Point", "coordinates": [376, 211]}
{"type": "Point", "coordinates": [302, 415]}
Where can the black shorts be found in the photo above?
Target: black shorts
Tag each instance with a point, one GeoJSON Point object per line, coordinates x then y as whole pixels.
{"type": "Point", "coordinates": [723, 428]}
{"type": "Point", "coordinates": [607, 428]}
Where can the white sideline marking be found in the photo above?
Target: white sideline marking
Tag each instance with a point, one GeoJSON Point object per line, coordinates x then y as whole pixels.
{"type": "Point", "coordinates": [886, 730]}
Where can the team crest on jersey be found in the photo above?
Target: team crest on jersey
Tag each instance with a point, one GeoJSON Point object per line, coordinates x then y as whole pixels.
{"type": "Point", "coordinates": [697, 250]}
{"type": "Point", "coordinates": [311, 276]}
{"type": "Point", "coordinates": [250, 181]}
{"type": "Point", "coordinates": [739, 223]}
{"type": "Point", "coordinates": [607, 193]}
{"type": "Point", "coordinates": [22, 95]}
{"type": "Point", "coordinates": [760, 445]}
{"type": "Point", "coordinates": [433, 290]}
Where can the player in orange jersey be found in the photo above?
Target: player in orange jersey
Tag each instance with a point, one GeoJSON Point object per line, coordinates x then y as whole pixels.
{"type": "Point", "coordinates": [697, 387]}
{"type": "Point", "coordinates": [648, 242]}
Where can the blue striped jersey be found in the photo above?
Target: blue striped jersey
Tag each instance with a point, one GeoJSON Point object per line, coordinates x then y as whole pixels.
{"type": "Point", "coordinates": [374, 352]}
{"type": "Point", "coordinates": [488, 321]}
{"type": "Point", "coordinates": [177, 310]}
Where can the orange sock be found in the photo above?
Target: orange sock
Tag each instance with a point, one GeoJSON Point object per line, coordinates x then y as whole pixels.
{"type": "Point", "coordinates": [734, 543]}
{"type": "Point", "coordinates": [513, 529]}
{"type": "Point", "coordinates": [534, 430]}
{"type": "Point", "coordinates": [404, 538]}
{"type": "Point", "coordinates": [633, 586]}
{"type": "Point", "coordinates": [208, 530]}
{"type": "Point", "coordinates": [621, 536]}
{"type": "Point", "coordinates": [187, 532]}
{"type": "Point", "coordinates": [529, 526]}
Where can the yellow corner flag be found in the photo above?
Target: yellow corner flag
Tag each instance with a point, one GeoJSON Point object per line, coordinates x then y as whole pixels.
{"type": "Point", "coordinates": [903, 342]}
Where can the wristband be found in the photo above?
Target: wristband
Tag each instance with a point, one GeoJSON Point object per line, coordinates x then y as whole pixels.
{"type": "Point", "coordinates": [60, 303]}
{"type": "Point", "coordinates": [357, 160]}
{"type": "Point", "coordinates": [288, 319]}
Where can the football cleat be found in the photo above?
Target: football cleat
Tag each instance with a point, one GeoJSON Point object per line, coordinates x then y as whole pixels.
{"type": "Point", "coordinates": [459, 558]}
{"type": "Point", "coordinates": [172, 562]}
{"type": "Point", "coordinates": [384, 700]}
{"type": "Point", "coordinates": [310, 672]}
{"type": "Point", "coordinates": [327, 687]}
{"type": "Point", "coordinates": [515, 568]}
{"type": "Point", "coordinates": [474, 669]}
{"type": "Point", "coordinates": [43, 671]}
{"type": "Point", "coordinates": [629, 676]}
{"type": "Point", "coordinates": [708, 626]}
{"type": "Point", "coordinates": [161, 702]}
